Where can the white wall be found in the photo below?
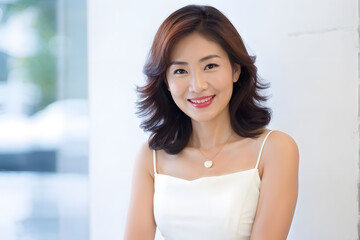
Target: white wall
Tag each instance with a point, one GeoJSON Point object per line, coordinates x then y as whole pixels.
{"type": "Point", "coordinates": [307, 49]}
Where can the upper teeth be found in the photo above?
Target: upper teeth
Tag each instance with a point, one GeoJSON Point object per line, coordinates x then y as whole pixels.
{"type": "Point", "coordinates": [202, 101]}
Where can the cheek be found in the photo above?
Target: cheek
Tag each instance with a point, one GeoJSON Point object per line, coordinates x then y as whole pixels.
{"type": "Point", "coordinates": [223, 80]}
{"type": "Point", "coordinates": [177, 87]}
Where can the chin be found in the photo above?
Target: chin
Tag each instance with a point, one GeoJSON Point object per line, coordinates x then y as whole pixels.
{"type": "Point", "coordinates": [203, 118]}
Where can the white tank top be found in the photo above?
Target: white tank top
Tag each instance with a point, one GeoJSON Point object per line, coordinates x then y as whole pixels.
{"type": "Point", "coordinates": [212, 208]}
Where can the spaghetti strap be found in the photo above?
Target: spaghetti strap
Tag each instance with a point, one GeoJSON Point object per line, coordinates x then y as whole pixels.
{"type": "Point", "coordinates": [154, 159]}
{"type": "Point", "coordinates": [262, 146]}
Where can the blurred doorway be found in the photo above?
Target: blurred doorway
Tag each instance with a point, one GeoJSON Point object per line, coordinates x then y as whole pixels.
{"type": "Point", "coordinates": [43, 120]}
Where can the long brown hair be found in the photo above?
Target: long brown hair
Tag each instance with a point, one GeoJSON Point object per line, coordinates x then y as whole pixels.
{"type": "Point", "coordinates": [170, 128]}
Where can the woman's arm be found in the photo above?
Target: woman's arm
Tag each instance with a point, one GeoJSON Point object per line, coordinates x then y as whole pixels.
{"type": "Point", "coordinates": [279, 188]}
{"type": "Point", "coordinates": [140, 223]}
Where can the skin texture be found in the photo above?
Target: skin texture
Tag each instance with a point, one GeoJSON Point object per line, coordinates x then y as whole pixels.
{"type": "Point", "coordinates": [197, 74]}
{"type": "Point", "coordinates": [194, 76]}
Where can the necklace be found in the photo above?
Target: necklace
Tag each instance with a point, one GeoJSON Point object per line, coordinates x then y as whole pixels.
{"type": "Point", "coordinates": [209, 161]}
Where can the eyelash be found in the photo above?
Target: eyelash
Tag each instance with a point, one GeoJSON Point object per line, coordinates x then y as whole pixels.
{"type": "Point", "coordinates": [177, 71]}
{"type": "Point", "coordinates": [212, 64]}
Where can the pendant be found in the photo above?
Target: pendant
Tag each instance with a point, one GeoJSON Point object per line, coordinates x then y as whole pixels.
{"type": "Point", "coordinates": [208, 164]}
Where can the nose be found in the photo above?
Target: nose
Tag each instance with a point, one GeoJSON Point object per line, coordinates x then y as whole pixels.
{"type": "Point", "coordinates": [198, 82]}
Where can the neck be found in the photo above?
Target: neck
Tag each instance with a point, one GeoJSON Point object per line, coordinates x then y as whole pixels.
{"type": "Point", "coordinates": [211, 134]}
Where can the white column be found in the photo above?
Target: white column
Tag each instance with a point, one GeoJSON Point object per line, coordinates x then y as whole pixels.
{"type": "Point", "coordinates": [307, 50]}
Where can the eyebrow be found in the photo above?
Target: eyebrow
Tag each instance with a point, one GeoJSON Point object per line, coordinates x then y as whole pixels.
{"type": "Point", "coordinates": [201, 60]}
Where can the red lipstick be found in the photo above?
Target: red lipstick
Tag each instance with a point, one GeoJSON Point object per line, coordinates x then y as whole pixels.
{"type": "Point", "coordinates": [201, 102]}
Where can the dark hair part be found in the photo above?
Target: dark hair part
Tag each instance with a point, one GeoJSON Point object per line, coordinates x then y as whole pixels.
{"type": "Point", "coordinates": [170, 128]}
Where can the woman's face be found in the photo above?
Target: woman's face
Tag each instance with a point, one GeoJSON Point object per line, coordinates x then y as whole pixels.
{"type": "Point", "coordinates": [200, 77]}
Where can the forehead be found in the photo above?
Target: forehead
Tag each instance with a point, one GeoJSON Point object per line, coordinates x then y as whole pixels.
{"type": "Point", "coordinates": [195, 46]}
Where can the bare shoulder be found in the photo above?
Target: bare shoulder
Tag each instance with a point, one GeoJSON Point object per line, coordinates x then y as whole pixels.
{"type": "Point", "coordinates": [280, 139]}
{"type": "Point", "coordinates": [280, 151]}
{"type": "Point", "coordinates": [279, 187]}
{"type": "Point", "coordinates": [140, 222]}
{"type": "Point", "coordinates": [144, 159]}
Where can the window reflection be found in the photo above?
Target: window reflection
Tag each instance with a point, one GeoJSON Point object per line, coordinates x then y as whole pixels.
{"type": "Point", "coordinates": [43, 120]}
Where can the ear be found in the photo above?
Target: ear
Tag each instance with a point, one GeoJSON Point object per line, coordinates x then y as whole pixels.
{"type": "Point", "coordinates": [236, 72]}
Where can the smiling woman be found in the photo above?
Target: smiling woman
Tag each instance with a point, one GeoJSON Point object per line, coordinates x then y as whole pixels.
{"type": "Point", "coordinates": [205, 78]}
{"type": "Point", "coordinates": [206, 172]}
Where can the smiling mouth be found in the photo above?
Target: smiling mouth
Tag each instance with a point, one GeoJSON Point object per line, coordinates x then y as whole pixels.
{"type": "Point", "coordinates": [201, 100]}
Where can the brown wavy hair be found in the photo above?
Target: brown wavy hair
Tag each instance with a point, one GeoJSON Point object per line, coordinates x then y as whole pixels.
{"type": "Point", "coordinates": [170, 128]}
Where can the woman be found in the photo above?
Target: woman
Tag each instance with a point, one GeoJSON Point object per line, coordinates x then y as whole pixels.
{"type": "Point", "coordinates": [206, 172]}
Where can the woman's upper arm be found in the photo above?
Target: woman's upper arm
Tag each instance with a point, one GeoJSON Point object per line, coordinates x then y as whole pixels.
{"type": "Point", "coordinates": [140, 222]}
{"type": "Point", "coordinates": [279, 188]}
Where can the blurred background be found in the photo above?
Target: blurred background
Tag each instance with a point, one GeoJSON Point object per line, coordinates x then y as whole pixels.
{"type": "Point", "coordinates": [43, 120]}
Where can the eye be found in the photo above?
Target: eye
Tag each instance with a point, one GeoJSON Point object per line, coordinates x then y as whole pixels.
{"type": "Point", "coordinates": [179, 71]}
{"type": "Point", "coordinates": [210, 66]}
